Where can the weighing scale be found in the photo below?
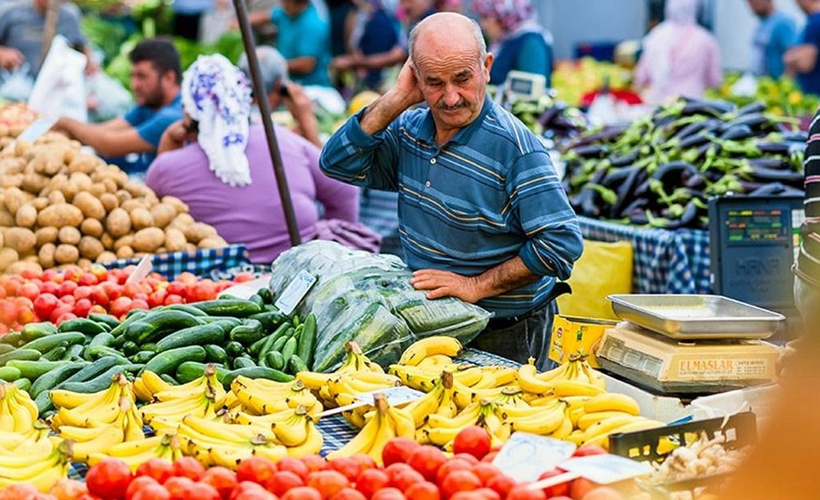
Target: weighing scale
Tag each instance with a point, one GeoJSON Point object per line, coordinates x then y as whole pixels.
{"type": "Point", "coordinates": [523, 85]}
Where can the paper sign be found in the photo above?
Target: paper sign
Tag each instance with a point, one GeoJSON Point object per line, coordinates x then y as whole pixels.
{"type": "Point", "coordinates": [396, 396]}
{"type": "Point", "coordinates": [606, 469]}
{"type": "Point", "coordinates": [36, 129]}
{"type": "Point", "coordinates": [143, 269]}
{"type": "Point", "coordinates": [525, 456]}
{"type": "Point", "coordinates": [245, 290]}
{"type": "Point", "coordinates": [295, 292]}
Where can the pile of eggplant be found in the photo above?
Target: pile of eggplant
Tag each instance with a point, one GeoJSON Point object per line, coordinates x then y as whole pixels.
{"type": "Point", "coordinates": [659, 171]}
{"type": "Point", "coordinates": [549, 118]}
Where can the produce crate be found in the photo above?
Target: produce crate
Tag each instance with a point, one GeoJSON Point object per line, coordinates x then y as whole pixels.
{"type": "Point", "coordinates": [203, 263]}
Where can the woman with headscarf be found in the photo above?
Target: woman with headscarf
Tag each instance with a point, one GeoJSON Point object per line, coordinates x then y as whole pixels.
{"type": "Point", "coordinates": [680, 58]}
{"type": "Point", "coordinates": [219, 163]}
{"type": "Point", "coordinates": [518, 42]}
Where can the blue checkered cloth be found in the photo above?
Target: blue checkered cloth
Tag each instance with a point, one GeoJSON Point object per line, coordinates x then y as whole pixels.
{"type": "Point", "coordinates": [201, 262]}
{"type": "Point", "coordinates": [664, 261]}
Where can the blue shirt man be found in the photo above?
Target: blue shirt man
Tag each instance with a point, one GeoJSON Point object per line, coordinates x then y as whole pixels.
{"type": "Point", "coordinates": [482, 214]}
{"type": "Point", "coordinates": [150, 124]}
{"type": "Point", "coordinates": [802, 58]}
{"type": "Point", "coordinates": [303, 38]}
{"type": "Point", "coordinates": [773, 37]}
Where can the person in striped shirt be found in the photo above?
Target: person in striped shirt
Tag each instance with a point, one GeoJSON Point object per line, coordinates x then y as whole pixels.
{"type": "Point", "coordinates": [807, 268]}
{"type": "Point", "coordinates": [482, 215]}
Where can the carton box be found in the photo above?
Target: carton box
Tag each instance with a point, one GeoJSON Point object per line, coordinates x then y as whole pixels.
{"type": "Point", "coordinates": [576, 336]}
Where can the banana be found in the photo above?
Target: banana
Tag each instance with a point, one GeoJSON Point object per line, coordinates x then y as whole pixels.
{"type": "Point", "coordinates": [436, 360]}
{"type": "Point", "coordinates": [512, 413]}
{"type": "Point", "coordinates": [378, 429]}
{"type": "Point", "coordinates": [229, 456]}
{"type": "Point", "coordinates": [563, 430]}
{"type": "Point", "coordinates": [430, 346]}
{"type": "Point", "coordinates": [131, 448]}
{"type": "Point", "coordinates": [294, 431]}
{"type": "Point", "coordinates": [595, 377]}
{"type": "Point", "coordinates": [576, 437]}
{"type": "Point", "coordinates": [575, 414]}
{"type": "Point", "coordinates": [543, 424]}
{"type": "Point", "coordinates": [6, 418]}
{"type": "Point", "coordinates": [564, 388]}
{"type": "Point", "coordinates": [577, 374]}
{"type": "Point", "coordinates": [355, 417]}
{"type": "Point", "coordinates": [162, 425]}
{"type": "Point", "coordinates": [554, 374]}
{"type": "Point", "coordinates": [218, 431]}
{"type": "Point", "coordinates": [404, 422]}
{"type": "Point", "coordinates": [387, 431]}
{"type": "Point", "coordinates": [606, 426]}
{"type": "Point", "coordinates": [612, 402]}
{"type": "Point", "coordinates": [603, 438]}
{"type": "Point", "coordinates": [590, 419]}
{"type": "Point", "coordinates": [503, 374]}
{"type": "Point", "coordinates": [314, 380]}
{"type": "Point", "coordinates": [31, 453]}
{"type": "Point", "coordinates": [140, 390]}
{"type": "Point", "coordinates": [426, 405]}
{"type": "Point", "coordinates": [23, 399]}
{"type": "Point", "coordinates": [21, 415]}
{"type": "Point", "coordinates": [528, 381]}
{"type": "Point", "coordinates": [133, 425]}
{"type": "Point", "coordinates": [441, 436]}
{"type": "Point", "coordinates": [196, 405]}
{"type": "Point", "coordinates": [112, 435]}
{"type": "Point", "coordinates": [67, 399]}
{"type": "Point", "coordinates": [313, 443]}
{"type": "Point", "coordinates": [43, 478]}
{"type": "Point", "coordinates": [154, 383]}
{"type": "Point", "coordinates": [488, 380]}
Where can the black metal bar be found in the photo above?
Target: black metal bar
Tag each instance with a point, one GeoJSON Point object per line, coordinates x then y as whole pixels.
{"type": "Point", "coordinates": [264, 108]}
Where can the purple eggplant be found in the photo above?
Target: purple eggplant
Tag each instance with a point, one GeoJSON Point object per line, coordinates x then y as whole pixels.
{"type": "Point", "coordinates": [737, 133]}
{"type": "Point", "coordinates": [774, 162]}
{"type": "Point", "coordinates": [623, 160]}
{"type": "Point", "coordinates": [636, 176]}
{"type": "Point", "coordinates": [706, 107]}
{"type": "Point", "coordinates": [789, 177]}
{"type": "Point", "coordinates": [774, 148]}
{"type": "Point", "coordinates": [776, 189]}
{"type": "Point", "coordinates": [689, 217]}
{"type": "Point", "coordinates": [675, 174]}
{"type": "Point", "coordinates": [755, 107]}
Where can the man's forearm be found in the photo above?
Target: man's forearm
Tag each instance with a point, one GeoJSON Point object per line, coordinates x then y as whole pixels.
{"type": "Point", "coordinates": [504, 277]}
{"type": "Point", "coordinates": [86, 133]}
{"type": "Point", "coordinates": [302, 65]}
{"type": "Point", "coordinates": [384, 60]}
{"type": "Point", "coordinates": [382, 113]}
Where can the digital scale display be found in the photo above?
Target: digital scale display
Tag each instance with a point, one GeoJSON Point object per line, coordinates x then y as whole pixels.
{"type": "Point", "coordinates": [763, 225]}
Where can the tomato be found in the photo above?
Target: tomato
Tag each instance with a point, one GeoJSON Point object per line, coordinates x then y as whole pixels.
{"type": "Point", "coordinates": [580, 487]}
{"type": "Point", "coordinates": [188, 467]}
{"type": "Point", "coordinates": [486, 472]}
{"type": "Point", "coordinates": [243, 277]}
{"type": "Point", "coordinates": [348, 467]}
{"type": "Point", "coordinates": [152, 492]}
{"type": "Point", "coordinates": [489, 457]}
{"type": "Point", "coordinates": [73, 273]}
{"type": "Point", "coordinates": [156, 468]}
{"type": "Point", "coordinates": [248, 490]}
{"type": "Point", "coordinates": [406, 479]}
{"type": "Point", "coordinates": [222, 479]}
{"type": "Point", "coordinates": [83, 292]}
{"type": "Point", "coordinates": [82, 308]}
{"type": "Point", "coordinates": [68, 489]}
{"type": "Point", "coordinates": [113, 290]}
{"type": "Point", "coordinates": [44, 304]}
{"type": "Point", "coordinates": [173, 299]}
{"type": "Point", "coordinates": [67, 288]}
{"type": "Point", "coordinates": [65, 317]}
{"type": "Point", "coordinates": [138, 484]}
{"type": "Point", "coordinates": [22, 491]}
{"type": "Point", "coordinates": [139, 304]}
{"type": "Point", "coordinates": [256, 469]}
{"type": "Point", "coordinates": [371, 480]}
{"type": "Point", "coordinates": [473, 440]}
{"type": "Point", "coordinates": [98, 296]}
{"type": "Point", "coordinates": [470, 459]}
{"type": "Point", "coordinates": [12, 285]}
{"type": "Point", "coordinates": [131, 289]}
{"type": "Point", "coordinates": [177, 486]}
{"type": "Point", "coordinates": [395, 469]}
{"type": "Point", "coordinates": [202, 491]}
{"type": "Point", "coordinates": [109, 479]}
{"type": "Point", "coordinates": [175, 288]}
{"type": "Point", "coordinates": [398, 450]}
{"type": "Point", "coordinates": [427, 460]}
{"type": "Point", "coordinates": [450, 466]}
{"type": "Point", "coordinates": [459, 480]}
{"type": "Point", "coordinates": [364, 461]}
{"type": "Point", "coordinates": [157, 298]}
{"type": "Point", "coordinates": [97, 309]}
{"type": "Point", "coordinates": [26, 315]}
{"type": "Point", "coordinates": [205, 290]}
{"type": "Point", "coordinates": [487, 494]}
{"type": "Point", "coordinates": [388, 494]}
{"type": "Point", "coordinates": [302, 493]}
{"type": "Point", "coordinates": [422, 491]}
{"type": "Point", "coordinates": [294, 465]}
{"type": "Point", "coordinates": [522, 492]}
{"type": "Point", "coordinates": [8, 312]}
{"type": "Point", "coordinates": [348, 494]}
{"type": "Point", "coordinates": [314, 463]}
{"type": "Point", "coordinates": [557, 490]}
{"type": "Point", "coordinates": [282, 481]}
{"type": "Point", "coordinates": [588, 450]}
{"type": "Point", "coordinates": [327, 482]}
{"type": "Point", "coordinates": [88, 279]}
{"type": "Point", "coordinates": [29, 290]}
{"type": "Point", "coordinates": [120, 306]}
{"type": "Point", "coordinates": [68, 299]}
{"type": "Point", "coordinates": [501, 484]}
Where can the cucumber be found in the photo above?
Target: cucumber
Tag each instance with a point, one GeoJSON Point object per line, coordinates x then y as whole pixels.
{"type": "Point", "coordinates": [26, 354]}
{"type": "Point", "coordinates": [149, 347]}
{"type": "Point", "coordinates": [296, 365]}
{"type": "Point", "coordinates": [257, 372]}
{"type": "Point", "coordinates": [193, 311]}
{"type": "Point", "coordinates": [169, 379]}
{"type": "Point", "coordinates": [248, 332]}
{"type": "Point", "coordinates": [23, 384]}
{"type": "Point", "coordinates": [275, 360]}
{"type": "Point", "coordinates": [82, 325]}
{"type": "Point", "coordinates": [280, 342]}
{"type": "Point", "coordinates": [91, 370]}
{"type": "Point", "coordinates": [4, 348]}
{"type": "Point", "coordinates": [130, 348]}
{"type": "Point", "coordinates": [264, 362]}
{"type": "Point", "coordinates": [51, 379]}
{"type": "Point", "coordinates": [196, 335]}
{"type": "Point", "coordinates": [143, 356]}
{"type": "Point", "coordinates": [102, 351]}
{"type": "Point", "coordinates": [99, 383]}
{"type": "Point", "coordinates": [131, 318]}
{"type": "Point", "coordinates": [133, 368]}
{"type": "Point", "coordinates": [296, 320]}
{"type": "Point", "coordinates": [227, 324]}
{"type": "Point", "coordinates": [270, 319]}
{"type": "Point", "coordinates": [55, 354]}
{"type": "Point", "coordinates": [236, 308]}
{"type": "Point", "coordinates": [12, 339]}
{"type": "Point", "coordinates": [234, 349]}
{"type": "Point", "coordinates": [106, 319]}
{"type": "Point", "coordinates": [34, 369]}
{"type": "Point", "coordinates": [46, 344]}
{"type": "Point", "coordinates": [258, 300]}
{"type": "Point", "coordinates": [243, 362]}
{"type": "Point", "coordinates": [156, 325]}
{"type": "Point", "coordinates": [102, 338]}
{"type": "Point", "coordinates": [307, 342]}
{"type": "Point", "coordinates": [254, 348]}
{"type": "Point", "coordinates": [74, 352]}
{"type": "Point", "coordinates": [10, 373]}
{"type": "Point", "coordinates": [266, 295]}
{"type": "Point", "coordinates": [272, 338]}
{"type": "Point", "coordinates": [34, 331]}
{"type": "Point", "coordinates": [191, 370]}
{"type": "Point", "coordinates": [289, 349]}
{"type": "Point", "coordinates": [216, 354]}
{"type": "Point", "coordinates": [168, 361]}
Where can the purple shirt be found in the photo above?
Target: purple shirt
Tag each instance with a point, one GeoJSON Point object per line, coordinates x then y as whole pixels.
{"type": "Point", "coordinates": [253, 215]}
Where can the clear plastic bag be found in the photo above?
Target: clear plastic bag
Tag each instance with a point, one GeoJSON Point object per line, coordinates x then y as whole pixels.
{"type": "Point", "coordinates": [367, 298]}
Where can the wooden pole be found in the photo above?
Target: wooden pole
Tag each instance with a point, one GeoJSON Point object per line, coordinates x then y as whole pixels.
{"type": "Point", "coordinates": [50, 27]}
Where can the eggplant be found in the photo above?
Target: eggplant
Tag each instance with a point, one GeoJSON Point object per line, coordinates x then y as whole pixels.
{"type": "Point", "coordinates": [690, 215]}
{"type": "Point", "coordinates": [694, 140]}
{"type": "Point", "coordinates": [589, 197]}
{"type": "Point", "coordinates": [754, 121]}
{"type": "Point", "coordinates": [774, 148]}
{"type": "Point", "coordinates": [755, 107]}
{"type": "Point", "coordinates": [616, 176]}
{"type": "Point", "coordinates": [776, 189]}
{"type": "Point", "coordinates": [635, 176]}
{"type": "Point", "coordinates": [696, 181]}
{"type": "Point", "coordinates": [771, 175]}
{"type": "Point", "coordinates": [617, 160]}
{"type": "Point", "coordinates": [769, 162]}
{"type": "Point", "coordinates": [675, 174]}
{"type": "Point", "coordinates": [591, 151]}
{"type": "Point", "coordinates": [706, 107]}
{"type": "Point", "coordinates": [796, 136]}
{"type": "Point", "coordinates": [548, 115]}
{"type": "Point", "coordinates": [704, 149]}
{"type": "Point", "coordinates": [607, 134]}
{"type": "Point", "coordinates": [642, 190]}
{"type": "Point", "coordinates": [637, 205]}
{"type": "Point", "coordinates": [749, 186]}
{"type": "Point", "coordinates": [713, 174]}
{"type": "Point", "coordinates": [737, 133]}
{"type": "Point", "coordinates": [639, 218]}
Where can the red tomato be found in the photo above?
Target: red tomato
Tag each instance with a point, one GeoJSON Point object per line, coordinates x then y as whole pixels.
{"type": "Point", "coordinates": [450, 466]}
{"type": "Point", "coordinates": [427, 460]}
{"type": "Point", "coordinates": [152, 492]}
{"type": "Point", "coordinates": [97, 309]}
{"type": "Point", "coordinates": [489, 457]}
{"type": "Point", "coordinates": [501, 484]}
{"type": "Point", "coordinates": [156, 468]}
{"type": "Point", "coordinates": [188, 467]}
{"type": "Point", "coordinates": [406, 479]}
{"type": "Point", "coordinates": [67, 288]}
{"type": "Point", "coordinates": [459, 480]}
{"type": "Point", "coordinates": [21, 302]}
{"type": "Point", "coordinates": [580, 487]}
{"type": "Point", "coordinates": [139, 304]}
{"type": "Point", "coordinates": [398, 450]}
{"type": "Point", "coordinates": [302, 493]}
{"type": "Point", "coordinates": [49, 274]}
{"type": "Point", "coordinates": [294, 465]}
{"type": "Point", "coordinates": [205, 290]}
{"type": "Point", "coordinates": [73, 273]}
{"type": "Point", "coordinates": [83, 292]}
{"type": "Point", "coordinates": [470, 459]}
{"type": "Point", "coordinates": [282, 481]}
{"type": "Point", "coordinates": [59, 312]}
{"type": "Point", "coordinates": [157, 298]}
{"type": "Point", "coordinates": [557, 490]}
{"type": "Point", "coordinates": [248, 488]}
{"type": "Point", "coordinates": [487, 494]}
{"type": "Point", "coordinates": [187, 278]}
{"type": "Point", "coordinates": [314, 463]}
{"type": "Point", "coordinates": [202, 491]}
{"type": "Point", "coordinates": [130, 290]}
{"type": "Point", "coordinates": [422, 491]}
{"type": "Point", "coordinates": [22, 491]}
{"type": "Point", "coordinates": [176, 288]}
{"type": "Point", "coordinates": [26, 315]}
{"type": "Point", "coordinates": [364, 461]}
{"type": "Point", "coordinates": [371, 480]}
{"type": "Point", "coordinates": [68, 489]}
{"type": "Point", "coordinates": [522, 492]}
{"type": "Point", "coordinates": [177, 486]}
{"type": "Point", "coordinates": [395, 469]}
{"type": "Point", "coordinates": [486, 472]}
{"type": "Point", "coordinates": [8, 312]}
{"type": "Point", "coordinates": [138, 484]}
{"type": "Point", "coordinates": [109, 479]}
{"type": "Point", "coordinates": [113, 290]}
{"type": "Point", "coordinates": [68, 299]}
{"type": "Point", "coordinates": [473, 440]}
{"type": "Point", "coordinates": [98, 296]}
{"type": "Point", "coordinates": [99, 272]}
{"type": "Point", "coordinates": [327, 482]}
{"type": "Point", "coordinates": [31, 274]}
{"type": "Point", "coordinates": [65, 317]}
{"type": "Point", "coordinates": [120, 306]}
{"type": "Point", "coordinates": [44, 304]}
{"type": "Point", "coordinates": [348, 494]}
{"type": "Point", "coordinates": [29, 290]}
{"type": "Point", "coordinates": [222, 479]}
{"type": "Point", "coordinates": [588, 450]}
{"type": "Point", "coordinates": [388, 494]}
{"type": "Point", "coordinates": [141, 296]}
{"type": "Point", "coordinates": [12, 285]}
{"type": "Point", "coordinates": [88, 279]}
{"type": "Point", "coordinates": [348, 467]}
{"type": "Point", "coordinates": [243, 277]}
{"type": "Point", "coordinates": [173, 299]}
{"type": "Point", "coordinates": [82, 308]}
{"type": "Point", "coordinates": [256, 469]}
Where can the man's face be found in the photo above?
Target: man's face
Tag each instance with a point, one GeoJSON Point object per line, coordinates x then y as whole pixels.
{"type": "Point", "coordinates": [40, 5]}
{"type": "Point", "coordinates": [146, 83]}
{"type": "Point", "coordinates": [806, 5]}
{"type": "Point", "coordinates": [416, 8]}
{"type": "Point", "coordinates": [759, 7]}
{"type": "Point", "coordinates": [293, 7]}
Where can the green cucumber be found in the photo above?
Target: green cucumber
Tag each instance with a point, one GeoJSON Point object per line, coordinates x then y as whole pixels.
{"type": "Point", "coordinates": [271, 340]}
{"type": "Point", "coordinates": [143, 356]}
{"type": "Point", "coordinates": [105, 319]}
{"type": "Point", "coordinates": [34, 331]}
{"type": "Point", "coordinates": [10, 373]}
{"type": "Point", "coordinates": [34, 369]}
{"type": "Point", "coordinates": [257, 372]}
{"type": "Point", "coordinates": [169, 379]}
{"type": "Point", "coordinates": [91, 370]}
{"type": "Point", "coordinates": [130, 348]}
{"type": "Point", "coordinates": [296, 320]}
{"type": "Point", "coordinates": [270, 319]}
{"type": "Point", "coordinates": [193, 311]}
{"type": "Point", "coordinates": [243, 362]}
{"type": "Point", "coordinates": [131, 318]}
{"type": "Point", "coordinates": [290, 348]}
{"type": "Point", "coordinates": [234, 349]}
{"type": "Point", "coordinates": [149, 347]}
{"type": "Point", "coordinates": [55, 354]}
{"type": "Point", "coordinates": [248, 332]}
{"type": "Point", "coordinates": [157, 325]}
{"type": "Point", "coordinates": [307, 342]}
{"type": "Point", "coordinates": [26, 354]}
{"type": "Point", "coordinates": [296, 365]}
{"type": "Point", "coordinates": [254, 348]}
{"type": "Point", "coordinates": [133, 368]}
{"type": "Point", "coordinates": [99, 383]}
{"type": "Point", "coordinates": [74, 353]}
{"type": "Point", "coordinates": [102, 338]}
{"type": "Point", "coordinates": [266, 294]}
{"type": "Point", "coordinates": [51, 379]}
{"type": "Point", "coordinates": [275, 360]}
{"type": "Point", "coordinates": [168, 361]}
{"type": "Point", "coordinates": [236, 308]}
{"type": "Point", "coordinates": [4, 348]}
{"type": "Point", "coordinates": [280, 342]}
{"type": "Point", "coordinates": [191, 370]}
{"type": "Point", "coordinates": [258, 300]}
{"type": "Point", "coordinates": [82, 325]}
{"type": "Point", "coordinates": [102, 351]}
{"type": "Point", "coordinates": [195, 335]}
{"type": "Point", "coordinates": [23, 384]}
{"type": "Point", "coordinates": [216, 354]}
{"type": "Point", "coordinates": [11, 338]}
{"type": "Point", "coordinates": [46, 344]}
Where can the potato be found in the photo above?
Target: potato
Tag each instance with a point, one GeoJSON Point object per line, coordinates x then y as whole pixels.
{"type": "Point", "coordinates": [136, 190]}
{"type": "Point", "coordinates": [60, 215]}
{"type": "Point", "coordinates": [8, 256]}
{"type": "Point", "coordinates": [84, 263]}
{"type": "Point", "coordinates": [175, 202]}
{"type": "Point", "coordinates": [91, 227]}
{"type": "Point", "coordinates": [46, 255]}
{"type": "Point", "coordinates": [70, 189]}
{"type": "Point", "coordinates": [90, 248]}
{"type": "Point", "coordinates": [56, 198]}
{"type": "Point", "coordinates": [47, 164]}
{"type": "Point", "coordinates": [150, 199]}
{"type": "Point", "coordinates": [2, 239]}
{"type": "Point", "coordinates": [182, 221]}
{"type": "Point", "coordinates": [109, 201]}
{"type": "Point", "coordinates": [190, 247]}
{"type": "Point", "coordinates": [108, 241]}
{"type": "Point", "coordinates": [14, 199]}
{"type": "Point", "coordinates": [69, 235]}
{"type": "Point", "coordinates": [125, 253]}
{"type": "Point", "coordinates": [110, 185]}
{"type": "Point", "coordinates": [11, 181]}
{"type": "Point", "coordinates": [83, 163]}
{"type": "Point", "coordinates": [46, 235]}
{"type": "Point", "coordinates": [125, 241]}
{"type": "Point", "coordinates": [148, 239]}
{"type": "Point", "coordinates": [212, 242]}
{"type": "Point", "coordinates": [198, 232]}
{"type": "Point", "coordinates": [19, 267]}
{"type": "Point", "coordinates": [97, 189]}
{"type": "Point", "coordinates": [6, 219]}
{"type": "Point", "coordinates": [89, 205]}
{"type": "Point", "coordinates": [82, 181]}
{"type": "Point", "coordinates": [123, 196]}
{"type": "Point", "coordinates": [174, 240]}
{"type": "Point", "coordinates": [163, 214]}
{"type": "Point", "coordinates": [66, 254]}
{"type": "Point", "coordinates": [34, 183]}
{"type": "Point", "coordinates": [31, 257]}
{"type": "Point", "coordinates": [26, 216]}
{"type": "Point", "coordinates": [161, 250]}
{"type": "Point", "coordinates": [20, 239]}
{"type": "Point", "coordinates": [141, 218]}
{"type": "Point", "coordinates": [39, 203]}
{"type": "Point", "coordinates": [106, 257]}
{"type": "Point", "coordinates": [118, 223]}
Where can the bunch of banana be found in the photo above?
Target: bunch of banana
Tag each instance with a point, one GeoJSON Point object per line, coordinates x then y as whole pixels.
{"type": "Point", "coordinates": [574, 378]}
{"type": "Point", "coordinates": [99, 436]}
{"type": "Point", "coordinates": [141, 390]}
{"type": "Point", "coordinates": [382, 424]}
{"type": "Point", "coordinates": [223, 444]}
{"type": "Point", "coordinates": [442, 431]}
{"type": "Point", "coordinates": [135, 453]}
{"type": "Point", "coordinates": [439, 401]}
{"type": "Point", "coordinates": [428, 347]}
{"type": "Point", "coordinates": [549, 419]}
{"type": "Point", "coordinates": [164, 416]}
{"type": "Point", "coordinates": [598, 433]}
{"type": "Point", "coordinates": [98, 409]}
{"type": "Point", "coordinates": [40, 462]}
{"type": "Point", "coordinates": [261, 397]}
{"type": "Point", "coordinates": [11, 442]}
{"type": "Point", "coordinates": [294, 428]}
{"type": "Point", "coordinates": [18, 412]}
{"type": "Point", "coordinates": [355, 361]}
{"type": "Point", "coordinates": [344, 388]}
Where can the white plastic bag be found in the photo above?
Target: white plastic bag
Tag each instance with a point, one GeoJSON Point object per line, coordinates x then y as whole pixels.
{"type": "Point", "coordinates": [112, 98]}
{"type": "Point", "coordinates": [59, 90]}
{"type": "Point", "coordinates": [17, 84]}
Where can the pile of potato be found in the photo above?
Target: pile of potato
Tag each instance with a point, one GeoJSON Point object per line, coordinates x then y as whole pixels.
{"type": "Point", "coordinates": [60, 206]}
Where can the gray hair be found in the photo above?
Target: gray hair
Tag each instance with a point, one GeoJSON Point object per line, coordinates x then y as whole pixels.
{"type": "Point", "coordinates": [272, 65]}
{"type": "Point", "coordinates": [475, 29]}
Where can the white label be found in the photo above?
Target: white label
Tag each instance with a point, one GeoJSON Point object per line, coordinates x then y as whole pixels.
{"type": "Point", "coordinates": [295, 292]}
{"type": "Point", "coordinates": [395, 396]}
{"type": "Point", "coordinates": [606, 469]}
{"type": "Point", "coordinates": [245, 290]}
{"type": "Point", "coordinates": [525, 456]}
{"type": "Point", "coordinates": [143, 269]}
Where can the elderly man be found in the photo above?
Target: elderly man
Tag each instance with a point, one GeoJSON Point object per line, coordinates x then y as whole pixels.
{"type": "Point", "coordinates": [482, 213]}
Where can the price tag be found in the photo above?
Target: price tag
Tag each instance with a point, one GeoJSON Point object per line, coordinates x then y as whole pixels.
{"type": "Point", "coordinates": [245, 290]}
{"type": "Point", "coordinates": [606, 469]}
{"type": "Point", "coordinates": [525, 456]}
{"type": "Point", "coordinates": [143, 269]}
{"type": "Point", "coordinates": [396, 396]}
{"type": "Point", "coordinates": [295, 292]}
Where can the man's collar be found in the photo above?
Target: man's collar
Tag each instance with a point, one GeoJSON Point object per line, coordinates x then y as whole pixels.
{"type": "Point", "coordinates": [427, 131]}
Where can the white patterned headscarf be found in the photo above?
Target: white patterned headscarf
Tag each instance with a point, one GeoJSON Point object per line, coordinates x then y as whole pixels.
{"type": "Point", "coordinates": [217, 94]}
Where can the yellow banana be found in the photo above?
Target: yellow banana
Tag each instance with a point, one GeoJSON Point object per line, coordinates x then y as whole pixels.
{"type": "Point", "coordinates": [387, 431]}
{"type": "Point", "coordinates": [440, 436]}
{"type": "Point", "coordinates": [6, 418]}
{"type": "Point", "coordinates": [430, 346]}
{"type": "Point", "coordinates": [595, 377]}
{"type": "Point", "coordinates": [314, 380]}
{"type": "Point", "coordinates": [109, 437]}
{"type": "Point", "coordinates": [293, 431]}
{"type": "Point", "coordinates": [543, 424]}
{"type": "Point", "coordinates": [603, 438]}
{"type": "Point", "coordinates": [528, 381]}
{"type": "Point", "coordinates": [23, 399]}
{"type": "Point", "coordinates": [606, 426]}
{"type": "Point", "coordinates": [564, 388]}
{"type": "Point", "coordinates": [404, 422]}
{"type": "Point", "coordinates": [313, 443]}
{"type": "Point", "coordinates": [67, 399]}
{"type": "Point", "coordinates": [575, 415]}
{"type": "Point", "coordinates": [504, 375]}
{"type": "Point", "coordinates": [141, 391]}
{"type": "Point", "coordinates": [131, 448]}
{"type": "Point", "coordinates": [563, 430]}
{"type": "Point", "coordinates": [488, 380]}
{"type": "Point", "coordinates": [612, 402]}
{"type": "Point", "coordinates": [32, 452]}
{"type": "Point", "coordinates": [154, 383]}
{"type": "Point", "coordinates": [21, 415]}
{"type": "Point", "coordinates": [43, 479]}
{"type": "Point", "coordinates": [576, 437]}
{"type": "Point", "coordinates": [361, 443]}
{"type": "Point", "coordinates": [229, 456]}
{"type": "Point", "coordinates": [425, 405]}
{"type": "Point", "coordinates": [554, 374]}
{"type": "Point", "coordinates": [436, 360]}
{"type": "Point", "coordinates": [590, 419]}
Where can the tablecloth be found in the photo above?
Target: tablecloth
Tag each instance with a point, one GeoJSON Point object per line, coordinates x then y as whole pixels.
{"type": "Point", "coordinates": [204, 263]}
{"type": "Point", "coordinates": [664, 261]}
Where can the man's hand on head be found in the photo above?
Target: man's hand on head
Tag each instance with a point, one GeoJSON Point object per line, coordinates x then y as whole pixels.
{"type": "Point", "coordinates": [446, 284]}
{"type": "Point", "coordinates": [407, 85]}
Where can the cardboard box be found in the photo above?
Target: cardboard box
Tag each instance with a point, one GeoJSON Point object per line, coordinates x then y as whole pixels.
{"type": "Point", "coordinates": [668, 365]}
{"type": "Point", "coordinates": [576, 336]}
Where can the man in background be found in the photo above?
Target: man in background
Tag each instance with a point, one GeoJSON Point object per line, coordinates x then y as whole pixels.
{"type": "Point", "coordinates": [773, 37]}
{"type": "Point", "coordinates": [801, 60]}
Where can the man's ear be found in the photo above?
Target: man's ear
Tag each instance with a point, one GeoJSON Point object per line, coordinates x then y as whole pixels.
{"type": "Point", "coordinates": [488, 65]}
